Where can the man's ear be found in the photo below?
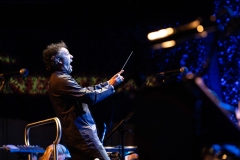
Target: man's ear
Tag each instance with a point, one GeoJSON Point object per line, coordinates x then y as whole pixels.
{"type": "Point", "coordinates": [59, 61]}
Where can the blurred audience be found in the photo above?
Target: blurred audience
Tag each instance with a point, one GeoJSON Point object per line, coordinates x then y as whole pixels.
{"type": "Point", "coordinates": [63, 153]}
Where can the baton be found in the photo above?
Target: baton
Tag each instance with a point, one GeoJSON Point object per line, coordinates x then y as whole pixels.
{"type": "Point", "coordinates": [127, 60]}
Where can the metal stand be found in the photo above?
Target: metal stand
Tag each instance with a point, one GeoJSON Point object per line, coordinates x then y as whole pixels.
{"type": "Point", "coordinates": [121, 129]}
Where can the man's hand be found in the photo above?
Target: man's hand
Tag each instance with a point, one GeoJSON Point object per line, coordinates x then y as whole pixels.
{"type": "Point", "coordinates": [116, 79]}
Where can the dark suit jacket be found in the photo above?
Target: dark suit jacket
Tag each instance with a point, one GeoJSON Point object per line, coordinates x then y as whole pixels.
{"type": "Point", "coordinates": [71, 104]}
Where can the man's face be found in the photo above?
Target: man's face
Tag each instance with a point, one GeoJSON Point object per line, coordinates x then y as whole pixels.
{"type": "Point", "coordinates": [65, 59]}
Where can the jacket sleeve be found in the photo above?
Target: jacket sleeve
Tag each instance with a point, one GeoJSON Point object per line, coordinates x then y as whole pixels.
{"type": "Point", "coordinates": [89, 95]}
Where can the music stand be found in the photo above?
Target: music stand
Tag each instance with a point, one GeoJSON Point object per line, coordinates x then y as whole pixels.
{"type": "Point", "coordinates": [121, 130]}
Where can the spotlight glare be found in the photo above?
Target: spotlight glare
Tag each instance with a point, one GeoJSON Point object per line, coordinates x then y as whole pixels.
{"type": "Point", "coordinates": [224, 156]}
{"type": "Point", "coordinates": [189, 26]}
{"type": "Point", "coordinates": [168, 44]}
{"type": "Point", "coordinates": [200, 28]}
{"type": "Point", "coordinates": [160, 34]}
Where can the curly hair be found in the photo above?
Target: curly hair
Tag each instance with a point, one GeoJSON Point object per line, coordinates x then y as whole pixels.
{"type": "Point", "coordinates": [49, 55]}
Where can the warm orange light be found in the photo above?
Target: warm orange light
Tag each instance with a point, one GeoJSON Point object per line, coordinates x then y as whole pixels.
{"type": "Point", "coordinates": [168, 44]}
{"type": "Point", "coordinates": [200, 28]}
{"type": "Point", "coordinates": [160, 34]}
{"type": "Point", "coordinates": [224, 156]}
{"type": "Point", "coordinates": [190, 25]}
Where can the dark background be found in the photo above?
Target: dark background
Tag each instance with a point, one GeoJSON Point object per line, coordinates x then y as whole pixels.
{"type": "Point", "coordinates": [96, 32]}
